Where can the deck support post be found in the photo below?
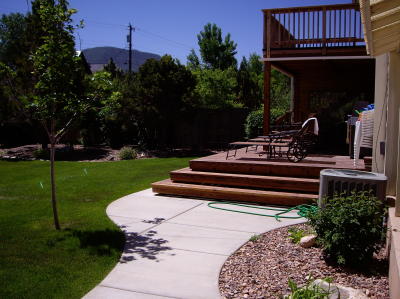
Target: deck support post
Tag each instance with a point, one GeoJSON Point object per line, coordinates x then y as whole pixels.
{"type": "Point", "coordinates": [267, 97]}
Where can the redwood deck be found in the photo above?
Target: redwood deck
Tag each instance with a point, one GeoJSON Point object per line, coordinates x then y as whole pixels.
{"type": "Point", "coordinates": [250, 177]}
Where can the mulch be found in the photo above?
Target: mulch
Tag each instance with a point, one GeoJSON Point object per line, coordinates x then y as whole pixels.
{"type": "Point", "coordinates": [261, 269]}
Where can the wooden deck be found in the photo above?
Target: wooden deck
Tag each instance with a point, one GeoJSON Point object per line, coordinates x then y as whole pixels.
{"type": "Point", "coordinates": [249, 177]}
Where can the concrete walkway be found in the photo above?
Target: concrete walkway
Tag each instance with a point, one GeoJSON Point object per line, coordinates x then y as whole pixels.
{"type": "Point", "coordinates": [175, 247]}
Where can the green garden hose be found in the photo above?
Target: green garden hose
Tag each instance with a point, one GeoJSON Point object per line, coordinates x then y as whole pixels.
{"type": "Point", "coordinates": [303, 210]}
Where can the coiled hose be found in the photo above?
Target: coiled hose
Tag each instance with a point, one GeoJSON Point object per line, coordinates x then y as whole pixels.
{"type": "Point", "coordinates": [303, 209]}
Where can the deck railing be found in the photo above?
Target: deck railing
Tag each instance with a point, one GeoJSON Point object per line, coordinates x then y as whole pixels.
{"type": "Point", "coordinates": [313, 27]}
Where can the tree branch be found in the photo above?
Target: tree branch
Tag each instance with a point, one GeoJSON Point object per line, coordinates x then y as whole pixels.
{"type": "Point", "coordinates": [64, 130]}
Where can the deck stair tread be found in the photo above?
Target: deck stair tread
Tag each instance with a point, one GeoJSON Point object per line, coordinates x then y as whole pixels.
{"type": "Point", "coordinates": [272, 169]}
{"type": "Point", "coordinates": [251, 177]}
{"type": "Point", "coordinates": [187, 175]}
{"type": "Point", "coordinates": [233, 194]}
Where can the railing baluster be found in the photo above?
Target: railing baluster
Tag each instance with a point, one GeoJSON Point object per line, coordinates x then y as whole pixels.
{"type": "Point", "coordinates": [298, 28]}
{"type": "Point", "coordinates": [288, 28]}
{"type": "Point", "coordinates": [313, 25]}
{"type": "Point", "coordinates": [344, 26]}
{"type": "Point", "coordinates": [340, 26]}
{"type": "Point", "coordinates": [268, 21]}
{"type": "Point", "coordinates": [284, 26]}
{"type": "Point", "coordinates": [308, 26]}
{"type": "Point", "coordinates": [293, 28]}
{"type": "Point", "coordinates": [304, 27]}
{"type": "Point", "coordinates": [318, 33]}
{"type": "Point", "coordinates": [355, 26]}
{"type": "Point", "coordinates": [279, 30]}
{"type": "Point", "coordinates": [360, 31]}
{"type": "Point", "coordinates": [323, 29]}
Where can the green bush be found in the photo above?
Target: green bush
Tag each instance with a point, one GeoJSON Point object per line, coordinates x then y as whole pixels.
{"type": "Point", "coordinates": [295, 234]}
{"type": "Point", "coordinates": [127, 153]}
{"type": "Point", "coordinates": [350, 228]}
{"type": "Point", "coordinates": [309, 291]}
{"type": "Point", "coordinates": [275, 113]}
{"type": "Point", "coordinates": [255, 238]}
{"type": "Point", "coordinates": [254, 123]}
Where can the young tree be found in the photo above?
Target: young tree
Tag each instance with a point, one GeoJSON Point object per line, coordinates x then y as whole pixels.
{"type": "Point", "coordinates": [58, 99]}
{"type": "Point", "coordinates": [216, 53]}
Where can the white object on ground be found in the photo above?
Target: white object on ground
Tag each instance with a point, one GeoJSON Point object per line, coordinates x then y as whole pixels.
{"type": "Point", "coordinates": [340, 291]}
{"type": "Point", "coordinates": [308, 241]}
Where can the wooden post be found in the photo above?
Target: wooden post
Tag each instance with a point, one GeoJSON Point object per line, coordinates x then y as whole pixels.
{"type": "Point", "coordinates": [324, 31]}
{"type": "Point", "coordinates": [268, 33]}
{"type": "Point", "coordinates": [267, 96]}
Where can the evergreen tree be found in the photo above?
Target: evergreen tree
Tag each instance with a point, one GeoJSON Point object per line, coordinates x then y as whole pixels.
{"type": "Point", "coordinates": [112, 68]}
{"type": "Point", "coordinates": [250, 82]}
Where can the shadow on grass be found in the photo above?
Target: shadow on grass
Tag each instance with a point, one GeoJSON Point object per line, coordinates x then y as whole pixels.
{"type": "Point", "coordinates": [100, 242]}
{"type": "Point", "coordinates": [143, 246]}
{"type": "Point", "coordinates": [109, 242]}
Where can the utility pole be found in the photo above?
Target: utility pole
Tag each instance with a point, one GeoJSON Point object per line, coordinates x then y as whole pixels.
{"type": "Point", "coordinates": [129, 38]}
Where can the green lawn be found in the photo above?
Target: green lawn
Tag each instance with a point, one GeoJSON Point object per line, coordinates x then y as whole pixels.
{"type": "Point", "coordinates": [36, 261]}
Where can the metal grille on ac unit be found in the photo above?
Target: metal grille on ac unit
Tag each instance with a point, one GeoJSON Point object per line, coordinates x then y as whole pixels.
{"type": "Point", "coordinates": [345, 181]}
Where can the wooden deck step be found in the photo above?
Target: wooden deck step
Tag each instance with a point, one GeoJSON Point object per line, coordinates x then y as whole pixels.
{"type": "Point", "coordinates": [186, 175]}
{"type": "Point", "coordinates": [232, 194]}
{"type": "Point", "coordinates": [304, 170]}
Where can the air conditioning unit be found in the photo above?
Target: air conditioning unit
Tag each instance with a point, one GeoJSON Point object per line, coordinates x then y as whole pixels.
{"type": "Point", "coordinates": [345, 181]}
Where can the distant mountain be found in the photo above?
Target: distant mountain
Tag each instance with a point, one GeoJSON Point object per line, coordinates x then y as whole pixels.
{"type": "Point", "coordinates": [100, 56]}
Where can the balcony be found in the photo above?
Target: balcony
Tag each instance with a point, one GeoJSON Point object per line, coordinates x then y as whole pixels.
{"type": "Point", "coordinates": [328, 30]}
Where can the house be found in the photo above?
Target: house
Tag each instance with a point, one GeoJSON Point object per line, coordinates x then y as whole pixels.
{"type": "Point", "coordinates": [381, 22]}
{"type": "Point", "coordinates": [322, 50]}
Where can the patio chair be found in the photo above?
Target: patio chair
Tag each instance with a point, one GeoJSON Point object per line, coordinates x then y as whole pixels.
{"type": "Point", "coordinates": [284, 122]}
{"type": "Point", "coordinates": [296, 144]}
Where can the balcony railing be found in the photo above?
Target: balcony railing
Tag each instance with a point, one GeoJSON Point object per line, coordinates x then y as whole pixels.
{"type": "Point", "coordinates": [312, 27]}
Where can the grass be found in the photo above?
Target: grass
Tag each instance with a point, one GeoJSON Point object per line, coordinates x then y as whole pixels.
{"type": "Point", "coordinates": [36, 261]}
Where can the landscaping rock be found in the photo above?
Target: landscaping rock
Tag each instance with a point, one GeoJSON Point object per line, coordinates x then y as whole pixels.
{"type": "Point", "coordinates": [308, 241]}
{"type": "Point", "coordinates": [340, 291]}
{"type": "Point", "coordinates": [265, 267]}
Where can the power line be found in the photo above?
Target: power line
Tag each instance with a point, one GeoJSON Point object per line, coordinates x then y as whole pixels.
{"type": "Point", "coordinates": [164, 38]}
{"type": "Point", "coordinates": [104, 23]}
{"type": "Point", "coordinates": [142, 31]}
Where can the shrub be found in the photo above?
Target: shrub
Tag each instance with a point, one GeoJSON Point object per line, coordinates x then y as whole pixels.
{"type": "Point", "coordinates": [295, 234]}
{"type": "Point", "coordinates": [254, 123]}
{"type": "Point", "coordinates": [41, 153]}
{"type": "Point", "coordinates": [255, 238]}
{"type": "Point", "coordinates": [350, 228]}
{"type": "Point", "coordinates": [310, 291]}
{"type": "Point", "coordinates": [127, 153]}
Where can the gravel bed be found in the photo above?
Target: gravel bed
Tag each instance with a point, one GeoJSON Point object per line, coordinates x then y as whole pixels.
{"type": "Point", "coordinates": [261, 269]}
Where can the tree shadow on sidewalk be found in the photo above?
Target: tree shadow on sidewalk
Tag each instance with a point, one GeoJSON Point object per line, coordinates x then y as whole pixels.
{"type": "Point", "coordinates": [143, 246]}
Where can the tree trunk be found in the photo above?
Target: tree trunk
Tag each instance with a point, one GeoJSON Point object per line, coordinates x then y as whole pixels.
{"type": "Point", "coordinates": [52, 175]}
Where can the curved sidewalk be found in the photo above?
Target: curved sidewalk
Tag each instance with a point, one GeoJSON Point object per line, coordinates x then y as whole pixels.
{"type": "Point", "coordinates": [175, 247]}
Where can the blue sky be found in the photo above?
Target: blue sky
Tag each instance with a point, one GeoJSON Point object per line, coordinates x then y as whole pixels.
{"type": "Point", "coordinates": [169, 27]}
